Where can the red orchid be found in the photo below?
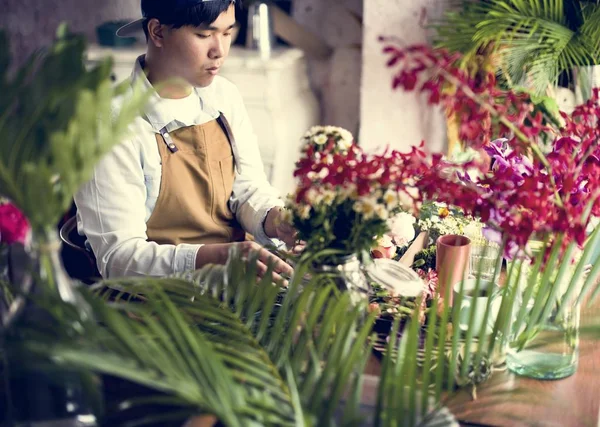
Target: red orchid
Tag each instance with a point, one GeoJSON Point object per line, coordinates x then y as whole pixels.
{"type": "Point", "coordinates": [527, 192]}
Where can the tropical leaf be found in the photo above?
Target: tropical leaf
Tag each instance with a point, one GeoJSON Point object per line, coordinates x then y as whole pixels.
{"type": "Point", "coordinates": [267, 354]}
{"type": "Point", "coordinates": [56, 122]}
{"type": "Point", "coordinates": [217, 342]}
{"type": "Point", "coordinates": [530, 42]}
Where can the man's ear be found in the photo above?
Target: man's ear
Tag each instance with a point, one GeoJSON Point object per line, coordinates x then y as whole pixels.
{"type": "Point", "coordinates": [156, 32]}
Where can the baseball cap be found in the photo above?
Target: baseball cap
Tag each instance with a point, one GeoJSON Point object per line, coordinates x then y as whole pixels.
{"type": "Point", "coordinates": [157, 9]}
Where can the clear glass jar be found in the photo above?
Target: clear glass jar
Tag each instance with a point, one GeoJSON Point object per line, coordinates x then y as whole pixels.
{"type": "Point", "coordinates": [348, 274]}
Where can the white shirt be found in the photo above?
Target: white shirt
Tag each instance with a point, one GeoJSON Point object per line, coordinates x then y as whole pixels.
{"type": "Point", "coordinates": [114, 206]}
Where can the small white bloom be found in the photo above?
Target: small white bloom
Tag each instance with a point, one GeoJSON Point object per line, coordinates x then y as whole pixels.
{"type": "Point", "coordinates": [402, 228]}
{"type": "Point", "coordinates": [385, 241]}
{"type": "Point", "coordinates": [407, 198]}
{"type": "Point", "coordinates": [328, 196]}
{"type": "Point", "coordinates": [315, 130]}
{"type": "Point", "coordinates": [390, 198]}
{"type": "Point", "coordinates": [320, 139]}
{"type": "Point", "coordinates": [358, 206]}
{"type": "Point", "coordinates": [304, 211]}
{"type": "Point", "coordinates": [349, 192]}
{"type": "Point", "coordinates": [346, 135]}
{"type": "Point", "coordinates": [367, 207]}
{"type": "Point", "coordinates": [314, 196]}
{"type": "Point", "coordinates": [381, 211]}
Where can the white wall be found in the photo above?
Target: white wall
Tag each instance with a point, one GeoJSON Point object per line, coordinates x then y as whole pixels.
{"type": "Point", "coordinates": [394, 117]}
{"type": "Point", "coordinates": [336, 81]}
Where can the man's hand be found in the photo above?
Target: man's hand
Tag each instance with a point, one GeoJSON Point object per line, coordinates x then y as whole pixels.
{"type": "Point", "coordinates": [218, 253]}
{"type": "Point", "coordinates": [277, 226]}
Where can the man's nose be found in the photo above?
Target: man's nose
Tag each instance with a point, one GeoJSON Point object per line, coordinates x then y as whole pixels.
{"type": "Point", "coordinates": [217, 49]}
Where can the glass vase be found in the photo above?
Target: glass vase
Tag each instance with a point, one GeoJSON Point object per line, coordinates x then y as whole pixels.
{"type": "Point", "coordinates": [546, 344]}
{"type": "Point", "coordinates": [348, 275]}
{"type": "Point", "coordinates": [42, 394]}
{"type": "Point", "coordinates": [553, 350]}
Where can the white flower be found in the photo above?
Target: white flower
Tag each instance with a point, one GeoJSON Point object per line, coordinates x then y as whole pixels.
{"type": "Point", "coordinates": [346, 135]}
{"type": "Point", "coordinates": [313, 131]}
{"type": "Point", "coordinates": [385, 241]}
{"type": "Point", "coordinates": [328, 196]}
{"type": "Point", "coordinates": [304, 211]}
{"type": "Point", "coordinates": [367, 207]}
{"type": "Point", "coordinates": [391, 199]}
{"type": "Point", "coordinates": [349, 192]}
{"type": "Point", "coordinates": [320, 139]}
{"type": "Point", "coordinates": [407, 198]}
{"type": "Point", "coordinates": [313, 197]}
{"type": "Point", "coordinates": [382, 212]}
{"type": "Point", "coordinates": [320, 134]}
{"type": "Point", "coordinates": [402, 228]}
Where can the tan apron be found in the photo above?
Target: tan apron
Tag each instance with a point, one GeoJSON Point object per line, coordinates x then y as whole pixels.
{"type": "Point", "coordinates": [196, 184]}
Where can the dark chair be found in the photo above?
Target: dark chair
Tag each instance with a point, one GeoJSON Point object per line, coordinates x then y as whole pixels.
{"type": "Point", "coordinates": [79, 261]}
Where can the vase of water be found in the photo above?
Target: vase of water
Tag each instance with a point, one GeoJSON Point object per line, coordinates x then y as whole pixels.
{"type": "Point", "coordinates": [544, 339]}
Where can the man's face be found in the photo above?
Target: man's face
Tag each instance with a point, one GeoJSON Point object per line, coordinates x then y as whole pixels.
{"type": "Point", "coordinates": [196, 54]}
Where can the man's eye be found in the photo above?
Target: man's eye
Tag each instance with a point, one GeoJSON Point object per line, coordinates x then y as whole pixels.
{"type": "Point", "coordinates": [227, 34]}
{"type": "Point", "coordinates": [203, 36]}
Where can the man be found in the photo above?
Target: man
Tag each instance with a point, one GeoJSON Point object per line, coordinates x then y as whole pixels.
{"type": "Point", "coordinates": [188, 182]}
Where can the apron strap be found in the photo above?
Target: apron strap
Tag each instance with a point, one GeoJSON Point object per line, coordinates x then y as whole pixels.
{"type": "Point", "coordinates": [168, 140]}
{"type": "Point", "coordinates": [228, 132]}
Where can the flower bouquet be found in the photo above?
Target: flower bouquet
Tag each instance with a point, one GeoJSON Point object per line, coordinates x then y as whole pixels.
{"type": "Point", "coordinates": [345, 202]}
{"type": "Point", "coordinates": [345, 197]}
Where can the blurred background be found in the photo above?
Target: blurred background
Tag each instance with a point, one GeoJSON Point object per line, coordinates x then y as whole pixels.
{"type": "Point", "coordinates": [332, 45]}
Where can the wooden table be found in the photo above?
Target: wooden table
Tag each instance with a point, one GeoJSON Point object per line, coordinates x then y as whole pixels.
{"type": "Point", "coordinates": [509, 400]}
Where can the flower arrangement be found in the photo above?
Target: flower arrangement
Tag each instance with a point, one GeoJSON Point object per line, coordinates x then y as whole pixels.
{"type": "Point", "coordinates": [535, 189]}
{"type": "Point", "coordinates": [345, 197]}
{"type": "Point", "coordinates": [538, 179]}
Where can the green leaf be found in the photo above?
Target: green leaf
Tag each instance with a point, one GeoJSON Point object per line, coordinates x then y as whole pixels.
{"type": "Point", "coordinates": [532, 42]}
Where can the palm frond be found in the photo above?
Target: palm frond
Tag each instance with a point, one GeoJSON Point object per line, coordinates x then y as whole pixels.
{"type": "Point", "coordinates": [56, 122]}
{"type": "Point", "coordinates": [517, 34]}
{"type": "Point", "coordinates": [179, 336]}
{"type": "Point", "coordinates": [281, 356]}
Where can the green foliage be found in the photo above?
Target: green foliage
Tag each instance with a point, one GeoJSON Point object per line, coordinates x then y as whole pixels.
{"type": "Point", "coordinates": [343, 228]}
{"type": "Point", "coordinates": [425, 259]}
{"type": "Point", "coordinates": [56, 122]}
{"type": "Point", "coordinates": [216, 342]}
{"type": "Point", "coordinates": [531, 41]}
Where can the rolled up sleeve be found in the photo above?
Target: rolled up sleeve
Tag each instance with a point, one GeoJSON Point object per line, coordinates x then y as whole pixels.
{"type": "Point", "coordinates": [112, 215]}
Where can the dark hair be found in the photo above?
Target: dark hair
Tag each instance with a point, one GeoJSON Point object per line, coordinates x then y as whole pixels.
{"type": "Point", "coordinates": [204, 13]}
